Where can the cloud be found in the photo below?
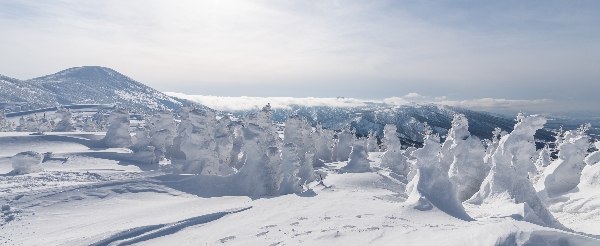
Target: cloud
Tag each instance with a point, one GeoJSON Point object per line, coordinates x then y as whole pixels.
{"type": "Point", "coordinates": [414, 95]}
{"type": "Point", "coordinates": [398, 101]}
{"type": "Point", "coordinates": [251, 103]}
{"type": "Point", "coordinates": [498, 104]}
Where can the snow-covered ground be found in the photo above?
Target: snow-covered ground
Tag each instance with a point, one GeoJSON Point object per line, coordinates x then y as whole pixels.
{"type": "Point", "coordinates": [88, 195]}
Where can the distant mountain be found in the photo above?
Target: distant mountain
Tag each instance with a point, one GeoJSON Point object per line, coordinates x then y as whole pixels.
{"type": "Point", "coordinates": [84, 85]}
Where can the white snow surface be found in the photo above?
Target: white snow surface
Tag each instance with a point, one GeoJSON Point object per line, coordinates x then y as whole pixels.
{"type": "Point", "coordinates": [91, 195]}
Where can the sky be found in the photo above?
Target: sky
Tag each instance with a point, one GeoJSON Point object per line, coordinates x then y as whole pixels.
{"type": "Point", "coordinates": [522, 54]}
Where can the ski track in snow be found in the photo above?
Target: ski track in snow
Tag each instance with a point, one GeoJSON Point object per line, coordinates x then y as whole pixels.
{"type": "Point", "coordinates": [139, 234]}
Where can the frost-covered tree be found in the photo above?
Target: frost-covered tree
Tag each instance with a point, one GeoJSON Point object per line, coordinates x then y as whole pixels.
{"type": "Point", "coordinates": [508, 182]}
{"type": "Point", "coordinates": [394, 158]}
{"type": "Point", "coordinates": [543, 159]}
{"type": "Point", "coordinates": [22, 127]}
{"type": "Point", "coordinates": [117, 135]}
{"type": "Point", "coordinates": [261, 172]}
{"type": "Point", "coordinates": [142, 138]}
{"type": "Point", "coordinates": [162, 130]}
{"type": "Point", "coordinates": [372, 145]}
{"type": "Point", "coordinates": [463, 155]}
{"type": "Point", "coordinates": [100, 118]}
{"type": "Point", "coordinates": [45, 125]}
{"type": "Point", "coordinates": [324, 142]}
{"type": "Point", "coordinates": [198, 143]}
{"type": "Point", "coordinates": [88, 125]}
{"type": "Point", "coordinates": [344, 144]}
{"type": "Point", "coordinates": [5, 125]}
{"type": "Point", "coordinates": [430, 186]}
{"type": "Point", "coordinates": [64, 124]}
{"type": "Point", "coordinates": [563, 174]}
{"type": "Point", "coordinates": [32, 123]}
{"type": "Point", "coordinates": [290, 165]}
{"type": "Point", "coordinates": [358, 160]}
{"type": "Point", "coordinates": [590, 176]}
{"type": "Point", "coordinates": [224, 140]}
{"type": "Point", "coordinates": [492, 145]}
{"type": "Point", "coordinates": [298, 131]}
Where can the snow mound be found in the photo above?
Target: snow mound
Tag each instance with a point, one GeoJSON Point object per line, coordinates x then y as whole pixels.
{"type": "Point", "coordinates": [27, 162]}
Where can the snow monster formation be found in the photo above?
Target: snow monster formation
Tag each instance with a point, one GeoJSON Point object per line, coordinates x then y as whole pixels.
{"type": "Point", "coordinates": [198, 144]}
{"type": "Point", "coordinates": [358, 157]}
{"type": "Point", "coordinates": [65, 124]}
{"type": "Point", "coordinates": [462, 158]}
{"type": "Point", "coordinates": [563, 174]}
{"type": "Point", "coordinates": [117, 135]}
{"type": "Point", "coordinates": [394, 158]}
{"type": "Point", "coordinates": [508, 180]}
{"type": "Point", "coordinates": [344, 145]}
{"type": "Point", "coordinates": [324, 142]}
{"type": "Point", "coordinates": [290, 165]}
{"type": "Point", "coordinates": [5, 125]}
{"type": "Point", "coordinates": [430, 186]}
{"type": "Point", "coordinates": [261, 172]}
{"type": "Point", "coordinates": [590, 176]}
{"type": "Point", "coordinates": [27, 162]}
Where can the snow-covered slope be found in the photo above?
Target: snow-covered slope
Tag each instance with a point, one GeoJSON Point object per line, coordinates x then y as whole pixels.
{"type": "Point", "coordinates": [84, 85]}
{"type": "Point", "coordinates": [99, 197]}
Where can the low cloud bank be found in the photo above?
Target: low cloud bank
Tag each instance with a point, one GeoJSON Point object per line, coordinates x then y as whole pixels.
{"type": "Point", "coordinates": [252, 103]}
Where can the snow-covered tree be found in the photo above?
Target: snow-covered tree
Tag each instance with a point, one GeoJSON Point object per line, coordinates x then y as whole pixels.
{"type": "Point", "coordinates": [117, 135]}
{"type": "Point", "coordinates": [394, 158]}
{"type": "Point", "coordinates": [290, 165]}
{"type": "Point", "coordinates": [64, 124]}
{"type": "Point", "coordinates": [358, 160]}
{"type": "Point", "coordinates": [590, 176]}
{"type": "Point", "coordinates": [32, 123]}
{"type": "Point", "coordinates": [198, 143]}
{"type": "Point", "coordinates": [372, 145]}
{"type": "Point", "coordinates": [88, 125]}
{"type": "Point", "coordinates": [224, 140]}
{"type": "Point", "coordinates": [5, 125]}
{"type": "Point", "coordinates": [162, 130]}
{"type": "Point", "coordinates": [142, 138]}
{"type": "Point", "coordinates": [463, 155]}
{"type": "Point", "coordinates": [492, 145]}
{"type": "Point", "coordinates": [261, 172]}
{"type": "Point", "coordinates": [563, 174]}
{"type": "Point", "coordinates": [430, 185]}
{"type": "Point", "coordinates": [508, 182]}
{"type": "Point", "coordinates": [22, 127]}
{"type": "Point", "coordinates": [344, 144]}
{"type": "Point", "coordinates": [324, 142]}
{"type": "Point", "coordinates": [298, 131]}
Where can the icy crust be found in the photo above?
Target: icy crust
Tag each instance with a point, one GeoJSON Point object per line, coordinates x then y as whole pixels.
{"type": "Point", "coordinates": [430, 186]}
{"type": "Point", "coordinates": [512, 164]}
{"type": "Point", "coordinates": [27, 162]}
{"type": "Point", "coordinates": [117, 135]}
{"type": "Point", "coordinates": [462, 158]}
{"type": "Point", "coordinates": [563, 174]}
